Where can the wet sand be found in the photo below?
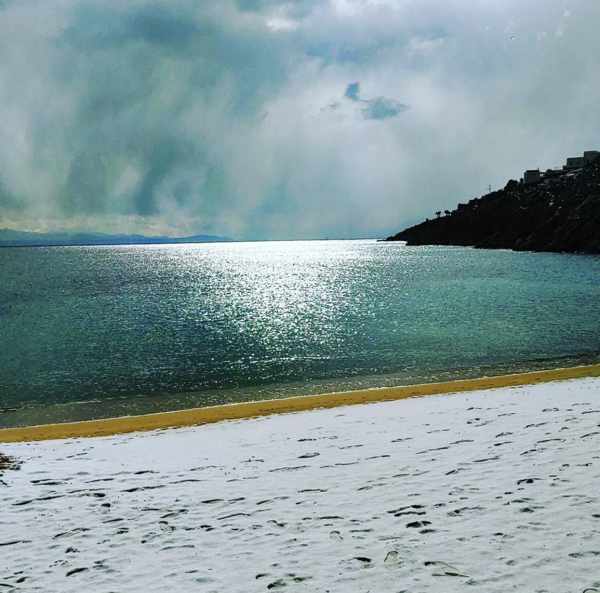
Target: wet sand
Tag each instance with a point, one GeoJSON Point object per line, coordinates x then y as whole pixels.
{"type": "Point", "coordinates": [199, 416]}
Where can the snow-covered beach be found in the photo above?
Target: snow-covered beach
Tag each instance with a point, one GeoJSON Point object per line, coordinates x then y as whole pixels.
{"type": "Point", "coordinates": [487, 491]}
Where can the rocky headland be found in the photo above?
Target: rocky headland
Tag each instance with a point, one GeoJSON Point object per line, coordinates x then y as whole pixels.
{"type": "Point", "coordinates": [558, 210]}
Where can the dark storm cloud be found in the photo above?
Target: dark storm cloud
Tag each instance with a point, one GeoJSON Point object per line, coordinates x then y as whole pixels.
{"type": "Point", "coordinates": [139, 73]}
{"type": "Point", "coordinates": [100, 27]}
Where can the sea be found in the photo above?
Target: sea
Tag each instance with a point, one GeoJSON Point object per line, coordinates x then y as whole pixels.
{"type": "Point", "coordinates": [101, 331]}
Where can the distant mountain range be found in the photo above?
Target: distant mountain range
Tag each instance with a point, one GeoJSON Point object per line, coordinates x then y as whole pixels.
{"type": "Point", "coordinates": [12, 238]}
{"type": "Point", "coordinates": [557, 211]}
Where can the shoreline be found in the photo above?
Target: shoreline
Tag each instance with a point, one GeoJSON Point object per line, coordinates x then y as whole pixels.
{"type": "Point", "coordinates": [244, 410]}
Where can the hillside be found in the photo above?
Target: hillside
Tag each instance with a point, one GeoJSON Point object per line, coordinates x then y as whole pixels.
{"type": "Point", "coordinates": [561, 212]}
{"type": "Point", "coordinates": [12, 238]}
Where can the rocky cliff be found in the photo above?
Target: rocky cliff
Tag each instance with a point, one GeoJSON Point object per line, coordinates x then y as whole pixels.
{"type": "Point", "coordinates": [560, 212]}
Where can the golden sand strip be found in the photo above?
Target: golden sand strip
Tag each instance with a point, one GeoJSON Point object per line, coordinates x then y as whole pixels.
{"type": "Point", "coordinates": [198, 416]}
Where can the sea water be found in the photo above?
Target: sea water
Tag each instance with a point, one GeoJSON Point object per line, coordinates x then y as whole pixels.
{"type": "Point", "coordinates": [90, 332]}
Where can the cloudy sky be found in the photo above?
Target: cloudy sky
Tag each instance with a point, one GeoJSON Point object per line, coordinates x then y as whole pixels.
{"type": "Point", "coordinates": [275, 119]}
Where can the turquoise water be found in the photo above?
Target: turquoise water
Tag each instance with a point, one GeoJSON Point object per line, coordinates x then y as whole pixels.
{"type": "Point", "coordinates": [98, 331]}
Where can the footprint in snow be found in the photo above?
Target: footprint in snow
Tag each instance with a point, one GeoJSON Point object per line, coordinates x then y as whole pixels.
{"type": "Point", "coordinates": [392, 559]}
{"type": "Point", "coordinates": [443, 569]}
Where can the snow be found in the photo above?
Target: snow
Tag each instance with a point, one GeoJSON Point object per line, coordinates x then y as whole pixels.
{"type": "Point", "coordinates": [488, 491]}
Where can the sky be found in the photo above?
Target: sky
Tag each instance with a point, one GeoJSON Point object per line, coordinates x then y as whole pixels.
{"type": "Point", "coordinates": [265, 119]}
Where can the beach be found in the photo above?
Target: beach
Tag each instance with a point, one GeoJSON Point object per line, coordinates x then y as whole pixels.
{"type": "Point", "coordinates": [207, 415]}
{"type": "Point", "coordinates": [300, 295]}
{"type": "Point", "coordinates": [483, 490]}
